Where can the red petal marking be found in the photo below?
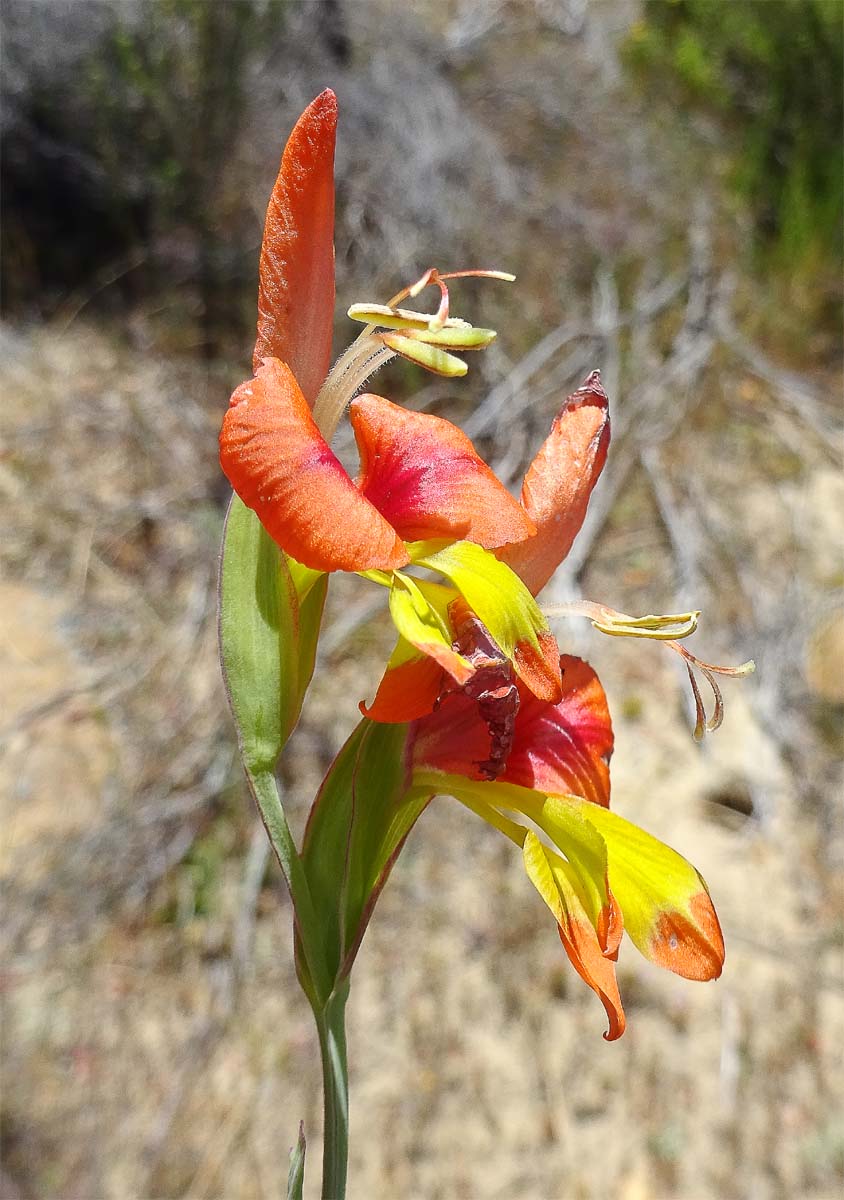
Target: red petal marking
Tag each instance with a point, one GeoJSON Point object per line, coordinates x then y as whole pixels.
{"type": "Point", "coordinates": [565, 748]}
{"type": "Point", "coordinates": [406, 692]}
{"type": "Point", "coordinates": [296, 275]}
{"type": "Point", "coordinates": [454, 739]}
{"type": "Point", "coordinates": [559, 482]}
{"type": "Point", "coordinates": [690, 946]}
{"type": "Point", "coordinates": [595, 968]}
{"type": "Point", "coordinates": [424, 475]}
{"type": "Point", "coordinates": [281, 466]}
{"type": "Point", "coordinates": [539, 668]}
{"type": "Point", "coordinates": [560, 748]}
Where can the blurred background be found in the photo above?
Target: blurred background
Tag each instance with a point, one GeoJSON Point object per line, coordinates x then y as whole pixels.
{"type": "Point", "coordinates": [666, 181]}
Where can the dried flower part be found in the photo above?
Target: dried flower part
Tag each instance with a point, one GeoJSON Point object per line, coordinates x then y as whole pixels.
{"type": "Point", "coordinates": [491, 686]}
{"type": "Point", "coordinates": [667, 629]}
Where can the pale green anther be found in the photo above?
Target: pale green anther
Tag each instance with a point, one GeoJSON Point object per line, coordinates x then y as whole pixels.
{"type": "Point", "coordinates": [429, 357]}
{"type": "Point", "coordinates": [466, 338]}
{"type": "Point", "coordinates": [388, 318]}
{"type": "Point", "coordinates": [400, 318]}
{"type": "Point", "coordinates": [669, 628]}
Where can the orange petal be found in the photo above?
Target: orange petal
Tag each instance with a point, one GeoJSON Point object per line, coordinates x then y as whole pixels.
{"type": "Point", "coordinates": [586, 956]}
{"type": "Point", "coordinates": [539, 666]}
{"type": "Point", "coordinates": [565, 747]}
{"type": "Point", "coordinates": [296, 275]}
{"type": "Point", "coordinates": [406, 691]}
{"type": "Point", "coordinates": [690, 946]}
{"type": "Point", "coordinates": [423, 474]}
{"type": "Point", "coordinates": [281, 466]}
{"type": "Point", "coordinates": [559, 482]}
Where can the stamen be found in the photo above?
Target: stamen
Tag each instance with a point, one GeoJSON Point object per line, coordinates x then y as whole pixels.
{"type": "Point", "coordinates": [700, 711]}
{"type": "Point", "coordinates": [423, 338]}
{"type": "Point", "coordinates": [667, 629]}
{"type": "Point", "coordinates": [355, 365]}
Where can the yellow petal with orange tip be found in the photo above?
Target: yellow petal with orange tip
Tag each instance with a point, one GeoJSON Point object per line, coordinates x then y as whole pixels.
{"type": "Point", "coordinates": [501, 601]}
{"type": "Point", "coordinates": [667, 909]}
{"type": "Point", "coordinates": [551, 877]}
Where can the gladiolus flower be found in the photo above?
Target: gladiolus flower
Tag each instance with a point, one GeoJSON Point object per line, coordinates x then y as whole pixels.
{"type": "Point", "coordinates": [496, 717]}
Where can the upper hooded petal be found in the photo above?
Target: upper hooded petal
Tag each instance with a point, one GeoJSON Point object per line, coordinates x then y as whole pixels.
{"type": "Point", "coordinates": [559, 482]}
{"type": "Point", "coordinates": [296, 274]}
{"type": "Point", "coordinates": [424, 475]}
{"type": "Point", "coordinates": [281, 466]}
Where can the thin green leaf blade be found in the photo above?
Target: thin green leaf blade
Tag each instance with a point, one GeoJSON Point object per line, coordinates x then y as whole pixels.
{"type": "Point", "coordinates": [296, 1174]}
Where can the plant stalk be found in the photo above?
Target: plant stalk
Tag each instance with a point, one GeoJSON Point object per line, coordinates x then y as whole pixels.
{"type": "Point", "coordinates": [331, 1026]}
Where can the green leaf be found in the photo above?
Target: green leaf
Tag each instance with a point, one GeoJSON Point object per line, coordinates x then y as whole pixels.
{"type": "Point", "coordinates": [296, 1174]}
{"type": "Point", "coordinates": [268, 637]}
{"type": "Point", "coordinates": [358, 824]}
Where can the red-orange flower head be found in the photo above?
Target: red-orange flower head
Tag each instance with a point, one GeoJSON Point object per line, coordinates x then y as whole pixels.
{"type": "Point", "coordinates": [499, 719]}
{"type": "Point", "coordinates": [423, 494]}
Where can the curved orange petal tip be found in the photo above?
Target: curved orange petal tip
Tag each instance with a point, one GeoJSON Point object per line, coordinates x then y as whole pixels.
{"type": "Point", "coordinates": [424, 475]}
{"type": "Point", "coordinates": [565, 748]}
{"type": "Point", "coordinates": [691, 945]}
{"type": "Point", "coordinates": [596, 969]}
{"type": "Point", "coordinates": [296, 273]}
{"type": "Point", "coordinates": [559, 482]}
{"type": "Point", "coordinates": [538, 665]}
{"type": "Point", "coordinates": [281, 466]}
{"type": "Point", "coordinates": [407, 691]}
{"type": "Point", "coordinates": [588, 952]}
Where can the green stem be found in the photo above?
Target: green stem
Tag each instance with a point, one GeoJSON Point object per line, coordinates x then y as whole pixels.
{"type": "Point", "coordinates": [331, 1026]}
{"type": "Point", "coordinates": [265, 791]}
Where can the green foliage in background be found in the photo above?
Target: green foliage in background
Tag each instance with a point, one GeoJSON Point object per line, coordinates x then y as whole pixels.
{"type": "Point", "coordinates": [171, 90]}
{"type": "Point", "coordinates": [770, 71]}
{"type": "Point", "coordinates": [138, 136]}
